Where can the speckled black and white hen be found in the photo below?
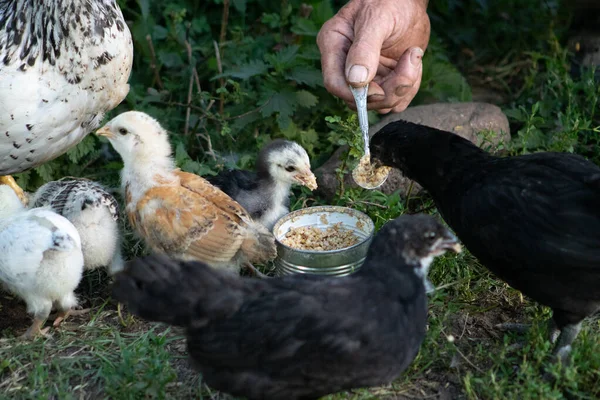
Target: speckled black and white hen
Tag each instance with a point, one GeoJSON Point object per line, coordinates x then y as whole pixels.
{"type": "Point", "coordinates": [63, 65]}
{"type": "Point", "coordinates": [299, 336]}
{"type": "Point", "coordinates": [265, 193]}
{"type": "Point", "coordinates": [95, 214]}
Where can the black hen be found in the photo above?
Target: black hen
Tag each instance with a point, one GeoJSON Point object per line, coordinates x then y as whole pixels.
{"type": "Point", "coordinates": [297, 337]}
{"type": "Point", "coordinates": [533, 220]}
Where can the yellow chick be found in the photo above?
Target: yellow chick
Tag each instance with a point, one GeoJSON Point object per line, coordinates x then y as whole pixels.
{"type": "Point", "coordinates": [178, 213]}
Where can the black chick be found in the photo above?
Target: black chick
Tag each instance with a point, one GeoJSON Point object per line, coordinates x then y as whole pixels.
{"type": "Point", "coordinates": [533, 220]}
{"type": "Point", "coordinates": [265, 193]}
{"type": "Point", "coordinates": [301, 336]}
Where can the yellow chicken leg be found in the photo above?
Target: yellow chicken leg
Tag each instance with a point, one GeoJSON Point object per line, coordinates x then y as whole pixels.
{"type": "Point", "coordinates": [62, 315]}
{"type": "Point", "coordinates": [10, 181]}
{"type": "Point", "coordinates": [35, 330]}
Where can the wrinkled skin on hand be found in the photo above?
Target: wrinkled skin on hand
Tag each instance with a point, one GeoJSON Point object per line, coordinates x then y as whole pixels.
{"type": "Point", "coordinates": [388, 38]}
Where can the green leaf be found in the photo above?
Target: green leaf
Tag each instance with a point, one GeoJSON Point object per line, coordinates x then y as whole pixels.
{"type": "Point", "coordinates": [245, 160]}
{"type": "Point", "coordinates": [322, 12]}
{"type": "Point", "coordinates": [240, 5]}
{"type": "Point", "coordinates": [514, 113]}
{"type": "Point", "coordinates": [114, 165]}
{"type": "Point", "coordinates": [241, 123]}
{"type": "Point", "coordinates": [196, 168]}
{"type": "Point", "coordinates": [279, 102]}
{"type": "Point", "coordinates": [145, 8]}
{"type": "Point", "coordinates": [253, 68]}
{"type": "Point", "coordinates": [170, 59]}
{"type": "Point", "coordinates": [443, 81]}
{"type": "Point", "coordinates": [46, 171]}
{"type": "Point", "coordinates": [159, 32]}
{"type": "Point", "coordinates": [284, 58]}
{"type": "Point", "coordinates": [335, 119]}
{"type": "Point", "coordinates": [310, 53]}
{"type": "Point", "coordinates": [272, 20]}
{"type": "Point", "coordinates": [307, 138]}
{"type": "Point", "coordinates": [311, 136]}
{"type": "Point", "coordinates": [306, 75]}
{"type": "Point", "coordinates": [23, 179]}
{"type": "Point", "coordinates": [200, 24]}
{"type": "Point", "coordinates": [283, 103]}
{"type": "Point", "coordinates": [181, 154]}
{"type": "Point", "coordinates": [85, 147]}
{"type": "Point", "coordinates": [305, 27]}
{"type": "Point", "coordinates": [306, 99]}
{"type": "Point", "coordinates": [283, 120]}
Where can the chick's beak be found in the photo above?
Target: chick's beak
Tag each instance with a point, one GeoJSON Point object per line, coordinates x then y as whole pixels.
{"type": "Point", "coordinates": [455, 247]}
{"type": "Point", "coordinates": [450, 242]}
{"type": "Point", "coordinates": [106, 132]}
{"type": "Point", "coordinates": [307, 178]}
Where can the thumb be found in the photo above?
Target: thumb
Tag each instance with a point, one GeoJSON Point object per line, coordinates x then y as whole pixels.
{"type": "Point", "coordinates": [363, 56]}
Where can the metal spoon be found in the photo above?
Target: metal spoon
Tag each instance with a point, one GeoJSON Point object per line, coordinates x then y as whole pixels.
{"type": "Point", "coordinates": [360, 98]}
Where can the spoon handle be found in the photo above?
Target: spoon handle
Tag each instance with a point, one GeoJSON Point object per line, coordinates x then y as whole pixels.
{"type": "Point", "coordinates": [360, 97]}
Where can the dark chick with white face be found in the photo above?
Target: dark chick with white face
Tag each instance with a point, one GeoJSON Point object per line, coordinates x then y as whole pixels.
{"type": "Point", "coordinates": [422, 237]}
{"type": "Point", "coordinates": [265, 193]}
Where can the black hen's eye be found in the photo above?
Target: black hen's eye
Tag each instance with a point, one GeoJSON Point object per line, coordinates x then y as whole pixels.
{"type": "Point", "coordinates": [291, 168]}
{"type": "Point", "coordinates": [123, 131]}
{"type": "Point", "coordinates": [430, 235]}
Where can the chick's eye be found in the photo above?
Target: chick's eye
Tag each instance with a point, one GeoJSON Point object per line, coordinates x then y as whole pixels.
{"type": "Point", "coordinates": [430, 235]}
{"type": "Point", "coordinates": [291, 168]}
{"type": "Point", "coordinates": [123, 131]}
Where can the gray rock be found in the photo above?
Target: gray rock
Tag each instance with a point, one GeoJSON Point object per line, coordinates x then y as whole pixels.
{"type": "Point", "coordinates": [464, 119]}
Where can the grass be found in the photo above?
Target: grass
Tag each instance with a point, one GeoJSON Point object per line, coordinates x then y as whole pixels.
{"type": "Point", "coordinates": [99, 356]}
{"type": "Point", "coordinates": [270, 87]}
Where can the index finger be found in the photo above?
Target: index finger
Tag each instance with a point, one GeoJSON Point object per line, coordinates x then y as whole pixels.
{"type": "Point", "coordinates": [334, 41]}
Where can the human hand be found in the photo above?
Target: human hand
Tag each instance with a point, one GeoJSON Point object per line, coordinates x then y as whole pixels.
{"type": "Point", "coordinates": [379, 42]}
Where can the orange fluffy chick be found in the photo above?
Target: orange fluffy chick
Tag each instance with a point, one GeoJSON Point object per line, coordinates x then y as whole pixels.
{"type": "Point", "coordinates": [176, 212]}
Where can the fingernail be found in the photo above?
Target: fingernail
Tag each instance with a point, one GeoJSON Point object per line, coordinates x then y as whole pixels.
{"type": "Point", "coordinates": [358, 74]}
{"type": "Point", "coordinates": [416, 55]}
{"type": "Point", "coordinates": [375, 97]}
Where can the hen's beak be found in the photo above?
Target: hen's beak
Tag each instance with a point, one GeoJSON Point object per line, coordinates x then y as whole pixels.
{"type": "Point", "coordinates": [307, 178]}
{"type": "Point", "coordinates": [106, 132]}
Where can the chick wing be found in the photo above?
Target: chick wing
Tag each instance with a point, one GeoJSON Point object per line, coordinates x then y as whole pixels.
{"type": "Point", "coordinates": [195, 220]}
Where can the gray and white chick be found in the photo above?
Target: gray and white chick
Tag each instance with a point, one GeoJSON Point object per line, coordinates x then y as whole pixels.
{"type": "Point", "coordinates": [265, 192]}
{"type": "Point", "coordinates": [95, 214]}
